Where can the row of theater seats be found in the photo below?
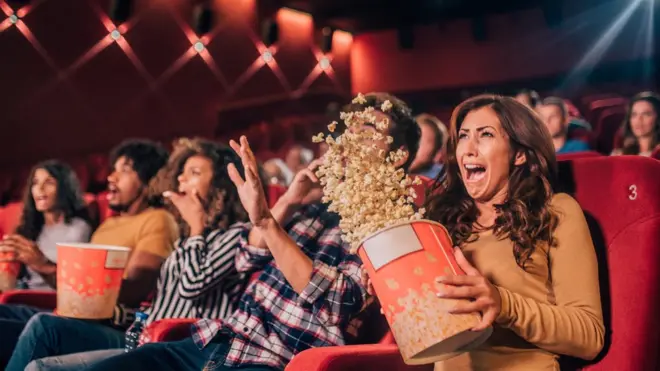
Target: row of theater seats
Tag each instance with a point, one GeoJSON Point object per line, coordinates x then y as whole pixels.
{"type": "Point", "coordinates": [620, 198]}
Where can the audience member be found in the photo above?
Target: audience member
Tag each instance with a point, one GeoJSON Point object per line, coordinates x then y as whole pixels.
{"type": "Point", "coordinates": [528, 97]}
{"type": "Point", "coordinates": [198, 280]}
{"type": "Point", "coordinates": [149, 232]}
{"type": "Point", "coordinates": [277, 172]}
{"type": "Point", "coordinates": [554, 113]}
{"type": "Point", "coordinates": [54, 210]}
{"type": "Point", "coordinates": [428, 161]}
{"type": "Point", "coordinates": [298, 158]}
{"type": "Point", "coordinates": [641, 127]}
{"type": "Point", "coordinates": [308, 274]}
{"type": "Point", "coordinates": [528, 254]}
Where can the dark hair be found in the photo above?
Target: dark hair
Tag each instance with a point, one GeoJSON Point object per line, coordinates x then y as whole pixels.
{"type": "Point", "coordinates": [69, 199]}
{"type": "Point", "coordinates": [534, 97]}
{"type": "Point", "coordinates": [403, 127]}
{"type": "Point", "coordinates": [525, 217]}
{"type": "Point", "coordinates": [147, 157]}
{"type": "Point", "coordinates": [630, 141]}
{"type": "Point", "coordinates": [223, 205]}
{"type": "Point", "coordinates": [432, 121]}
{"type": "Point", "coordinates": [558, 102]}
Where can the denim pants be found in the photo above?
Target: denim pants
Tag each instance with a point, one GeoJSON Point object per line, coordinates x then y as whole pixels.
{"type": "Point", "coordinates": [13, 319]}
{"type": "Point", "coordinates": [182, 355]}
{"type": "Point", "coordinates": [48, 335]}
{"type": "Point", "coordinates": [72, 362]}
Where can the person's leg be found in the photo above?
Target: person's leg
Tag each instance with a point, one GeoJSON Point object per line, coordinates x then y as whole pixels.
{"type": "Point", "coordinates": [12, 321]}
{"type": "Point", "coordinates": [181, 355]}
{"type": "Point", "coordinates": [48, 335]}
{"type": "Point", "coordinates": [72, 362]}
{"type": "Point", "coordinates": [18, 312]}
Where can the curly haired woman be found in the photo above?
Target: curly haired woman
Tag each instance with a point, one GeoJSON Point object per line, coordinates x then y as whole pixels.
{"type": "Point", "coordinates": [531, 269]}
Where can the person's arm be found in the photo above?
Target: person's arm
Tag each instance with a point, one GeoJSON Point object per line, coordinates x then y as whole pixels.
{"type": "Point", "coordinates": [335, 291]}
{"type": "Point", "coordinates": [206, 263]}
{"type": "Point", "coordinates": [574, 324]}
{"type": "Point", "coordinates": [282, 212]}
{"type": "Point", "coordinates": [155, 243]}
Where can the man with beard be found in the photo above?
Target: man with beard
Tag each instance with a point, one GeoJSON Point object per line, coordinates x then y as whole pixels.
{"type": "Point", "coordinates": [150, 232]}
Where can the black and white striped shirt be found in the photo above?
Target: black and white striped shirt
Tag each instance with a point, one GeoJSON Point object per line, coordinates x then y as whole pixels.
{"type": "Point", "coordinates": [199, 279]}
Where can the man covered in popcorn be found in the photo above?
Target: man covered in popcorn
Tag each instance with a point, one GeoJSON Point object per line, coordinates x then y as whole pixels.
{"type": "Point", "coordinates": [309, 292]}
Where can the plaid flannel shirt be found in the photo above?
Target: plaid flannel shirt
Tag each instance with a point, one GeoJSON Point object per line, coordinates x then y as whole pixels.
{"type": "Point", "coordinates": [272, 322]}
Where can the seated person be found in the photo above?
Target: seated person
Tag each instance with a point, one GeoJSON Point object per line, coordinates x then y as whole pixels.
{"type": "Point", "coordinates": [54, 210]}
{"type": "Point", "coordinates": [309, 292]}
{"type": "Point", "coordinates": [528, 97]}
{"type": "Point", "coordinates": [198, 280]}
{"type": "Point", "coordinates": [554, 113]}
{"type": "Point", "coordinates": [530, 262]}
{"type": "Point", "coordinates": [428, 161]}
{"type": "Point", "coordinates": [641, 127]}
{"type": "Point", "coordinates": [149, 232]}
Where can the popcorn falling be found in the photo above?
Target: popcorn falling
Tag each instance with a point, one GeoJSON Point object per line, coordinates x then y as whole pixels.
{"type": "Point", "coordinates": [360, 181]}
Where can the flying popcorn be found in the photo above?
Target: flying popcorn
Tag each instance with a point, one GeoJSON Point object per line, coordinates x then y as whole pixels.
{"type": "Point", "coordinates": [360, 181]}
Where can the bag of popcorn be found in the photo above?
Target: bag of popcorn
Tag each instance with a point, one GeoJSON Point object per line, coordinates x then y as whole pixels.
{"type": "Point", "coordinates": [402, 253]}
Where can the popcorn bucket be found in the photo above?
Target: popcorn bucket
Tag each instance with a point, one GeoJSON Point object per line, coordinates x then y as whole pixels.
{"type": "Point", "coordinates": [88, 279]}
{"type": "Point", "coordinates": [8, 270]}
{"type": "Point", "coordinates": [403, 262]}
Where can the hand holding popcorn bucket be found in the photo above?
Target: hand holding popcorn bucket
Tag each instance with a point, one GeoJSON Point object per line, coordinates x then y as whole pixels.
{"type": "Point", "coordinates": [9, 269]}
{"type": "Point", "coordinates": [403, 254]}
{"type": "Point", "coordinates": [403, 262]}
{"type": "Point", "coordinates": [89, 277]}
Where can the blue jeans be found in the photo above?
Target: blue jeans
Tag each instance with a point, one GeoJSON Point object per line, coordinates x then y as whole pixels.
{"type": "Point", "coordinates": [49, 335]}
{"type": "Point", "coordinates": [72, 362]}
{"type": "Point", "coordinates": [175, 356]}
{"type": "Point", "coordinates": [13, 319]}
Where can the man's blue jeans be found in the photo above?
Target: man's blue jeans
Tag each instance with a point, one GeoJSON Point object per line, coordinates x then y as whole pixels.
{"type": "Point", "coordinates": [175, 356]}
{"type": "Point", "coordinates": [13, 319]}
{"type": "Point", "coordinates": [48, 335]}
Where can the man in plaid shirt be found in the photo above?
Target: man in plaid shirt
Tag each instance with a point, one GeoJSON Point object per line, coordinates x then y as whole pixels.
{"type": "Point", "coordinates": [309, 291]}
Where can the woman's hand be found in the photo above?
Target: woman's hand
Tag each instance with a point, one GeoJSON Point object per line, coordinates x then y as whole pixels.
{"type": "Point", "coordinates": [191, 209]}
{"type": "Point", "coordinates": [27, 252]}
{"type": "Point", "coordinates": [305, 188]}
{"type": "Point", "coordinates": [250, 190]}
{"type": "Point", "coordinates": [482, 295]}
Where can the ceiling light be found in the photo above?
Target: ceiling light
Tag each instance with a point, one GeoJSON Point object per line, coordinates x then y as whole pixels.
{"type": "Point", "coordinates": [324, 63]}
{"type": "Point", "coordinates": [198, 46]}
{"type": "Point", "coordinates": [267, 56]}
{"type": "Point", "coordinates": [115, 35]}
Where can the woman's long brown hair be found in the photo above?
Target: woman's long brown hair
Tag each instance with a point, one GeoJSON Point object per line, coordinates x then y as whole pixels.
{"type": "Point", "coordinates": [525, 217]}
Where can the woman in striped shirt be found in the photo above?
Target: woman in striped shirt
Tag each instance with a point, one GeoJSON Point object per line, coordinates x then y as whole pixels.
{"type": "Point", "coordinates": [199, 279]}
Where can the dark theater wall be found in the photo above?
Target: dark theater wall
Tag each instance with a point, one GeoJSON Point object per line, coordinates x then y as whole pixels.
{"type": "Point", "coordinates": [519, 46]}
{"type": "Point", "coordinates": [69, 88]}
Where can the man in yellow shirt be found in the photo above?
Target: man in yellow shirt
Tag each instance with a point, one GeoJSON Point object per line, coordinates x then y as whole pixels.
{"type": "Point", "coordinates": [149, 231]}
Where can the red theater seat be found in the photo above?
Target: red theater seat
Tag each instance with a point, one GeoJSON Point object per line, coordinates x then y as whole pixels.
{"type": "Point", "coordinates": [577, 155]}
{"type": "Point", "coordinates": [40, 299]}
{"type": "Point", "coordinates": [656, 154]}
{"type": "Point", "coordinates": [620, 198]}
